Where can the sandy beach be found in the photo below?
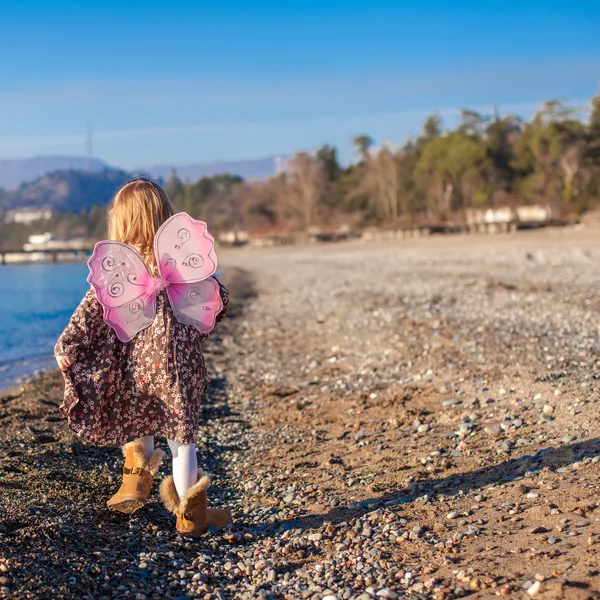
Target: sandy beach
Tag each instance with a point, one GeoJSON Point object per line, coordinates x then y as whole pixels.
{"type": "Point", "coordinates": [413, 419]}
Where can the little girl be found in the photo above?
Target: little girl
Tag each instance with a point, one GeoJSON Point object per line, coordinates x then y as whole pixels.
{"type": "Point", "coordinates": [123, 394]}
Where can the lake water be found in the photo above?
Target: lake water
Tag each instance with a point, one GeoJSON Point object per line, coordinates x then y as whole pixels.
{"type": "Point", "coordinates": [36, 302]}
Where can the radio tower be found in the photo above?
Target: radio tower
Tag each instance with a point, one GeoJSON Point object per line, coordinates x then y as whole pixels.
{"type": "Point", "coordinates": [89, 144]}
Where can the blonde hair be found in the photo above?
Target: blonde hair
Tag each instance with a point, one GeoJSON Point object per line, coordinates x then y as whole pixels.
{"type": "Point", "coordinates": [136, 213]}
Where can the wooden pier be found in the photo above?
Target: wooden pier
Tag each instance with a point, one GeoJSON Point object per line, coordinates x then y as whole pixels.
{"type": "Point", "coordinates": [53, 255]}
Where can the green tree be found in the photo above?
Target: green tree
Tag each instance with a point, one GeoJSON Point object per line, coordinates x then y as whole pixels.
{"type": "Point", "coordinates": [453, 168]}
{"type": "Point", "coordinates": [432, 128]}
{"type": "Point", "coordinates": [327, 157]}
{"type": "Point", "coordinates": [548, 154]}
{"type": "Point", "coordinates": [175, 190]}
{"type": "Point", "coordinates": [97, 228]}
{"type": "Point", "coordinates": [593, 132]}
{"type": "Point", "coordinates": [500, 136]}
{"type": "Point", "coordinates": [362, 144]}
{"type": "Point", "coordinates": [473, 122]}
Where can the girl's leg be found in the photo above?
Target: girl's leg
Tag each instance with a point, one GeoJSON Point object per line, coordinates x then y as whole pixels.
{"type": "Point", "coordinates": [148, 442]}
{"type": "Point", "coordinates": [185, 495]}
{"type": "Point", "coordinates": [185, 466]}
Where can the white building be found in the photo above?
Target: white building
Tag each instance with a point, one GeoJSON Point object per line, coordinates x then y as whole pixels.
{"type": "Point", "coordinates": [46, 241]}
{"type": "Point", "coordinates": [28, 214]}
{"type": "Point", "coordinates": [39, 239]}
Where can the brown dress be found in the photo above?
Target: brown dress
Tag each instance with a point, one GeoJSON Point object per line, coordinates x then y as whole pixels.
{"type": "Point", "coordinates": [117, 392]}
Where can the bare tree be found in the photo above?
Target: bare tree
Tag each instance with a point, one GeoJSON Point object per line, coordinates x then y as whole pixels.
{"type": "Point", "coordinates": [381, 184]}
{"type": "Point", "coordinates": [384, 170]}
{"type": "Point", "coordinates": [305, 185]}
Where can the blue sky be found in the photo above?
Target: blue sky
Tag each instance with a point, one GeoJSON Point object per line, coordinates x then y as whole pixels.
{"type": "Point", "coordinates": [181, 82]}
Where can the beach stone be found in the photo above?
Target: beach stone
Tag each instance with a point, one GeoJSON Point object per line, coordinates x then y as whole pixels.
{"type": "Point", "coordinates": [493, 430]}
{"type": "Point", "coordinates": [534, 588]}
{"type": "Point", "coordinates": [538, 529]}
{"type": "Point", "coordinates": [451, 402]}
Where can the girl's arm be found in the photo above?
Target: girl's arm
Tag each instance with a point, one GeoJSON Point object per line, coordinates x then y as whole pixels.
{"type": "Point", "coordinates": [81, 330]}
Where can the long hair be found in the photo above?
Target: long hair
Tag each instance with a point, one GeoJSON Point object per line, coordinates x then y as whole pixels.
{"type": "Point", "coordinates": [136, 213]}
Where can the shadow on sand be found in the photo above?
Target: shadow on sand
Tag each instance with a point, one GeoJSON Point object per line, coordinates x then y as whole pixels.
{"type": "Point", "coordinates": [552, 458]}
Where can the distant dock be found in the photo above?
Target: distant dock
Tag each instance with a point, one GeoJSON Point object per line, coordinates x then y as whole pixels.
{"type": "Point", "coordinates": [53, 255]}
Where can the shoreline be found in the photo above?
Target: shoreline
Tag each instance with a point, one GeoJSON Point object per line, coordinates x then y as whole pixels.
{"type": "Point", "coordinates": [35, 302]}
{"type": "Point", "coordinates": [15, 371]}
{"type": "Point", "coordinates": [27, 377]}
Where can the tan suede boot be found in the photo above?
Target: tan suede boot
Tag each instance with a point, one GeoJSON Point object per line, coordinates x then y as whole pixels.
{"type": "Point", "coordinates": [138, 475]}
{"type": "Point", "coordinates": [193, 516]}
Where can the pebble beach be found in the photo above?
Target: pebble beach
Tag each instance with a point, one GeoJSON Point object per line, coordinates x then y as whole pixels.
{"type": "Point", "coordinates": [413, 419]}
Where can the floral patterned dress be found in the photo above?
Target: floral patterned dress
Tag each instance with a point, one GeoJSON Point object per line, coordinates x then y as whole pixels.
{"type": "Point", "coordinates": [116, 392]}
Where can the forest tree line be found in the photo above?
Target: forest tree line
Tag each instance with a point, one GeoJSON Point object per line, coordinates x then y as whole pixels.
{"type": "Point", "coordinates": [487, 160]}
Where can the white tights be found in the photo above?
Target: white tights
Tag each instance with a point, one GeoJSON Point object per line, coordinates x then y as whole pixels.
{"type": "Point", "coordinates": [185, 463]}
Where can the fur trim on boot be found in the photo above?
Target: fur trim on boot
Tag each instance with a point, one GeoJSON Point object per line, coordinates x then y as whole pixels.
{"type": "Point", "coordinates": [139, 462]}
{"type": "Point", "coordinates": [193, 516]}
{"type": "Point", "coordinates": [138, 475]}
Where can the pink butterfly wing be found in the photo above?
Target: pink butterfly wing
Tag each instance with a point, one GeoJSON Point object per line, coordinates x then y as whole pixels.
{"type": "Point", "coordinates": [128, 320]}
{"type": "Point", "coordinates": [120, 279]}
{"type": "Point", "coordinates": [197, 303]}
{"type": "Point", "coordinates": [185, 250]}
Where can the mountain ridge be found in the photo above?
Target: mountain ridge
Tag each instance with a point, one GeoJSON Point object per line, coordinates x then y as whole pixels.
{"type": "Point", "coordinates": [252, 168]}
{"type": "Point", "coordinates": [16, 172]}
{"type": "Point", "coordinates": [66, 191]}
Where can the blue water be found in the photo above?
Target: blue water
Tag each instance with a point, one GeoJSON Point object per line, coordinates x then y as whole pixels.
{"type": "Point", "coordinates": [36, 302]}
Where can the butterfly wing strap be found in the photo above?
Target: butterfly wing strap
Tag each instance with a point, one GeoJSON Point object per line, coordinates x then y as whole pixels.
{"type": "Point", "coordinates": [185, 252]}
{"type": "Point", "coordinates": [123, 286]}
